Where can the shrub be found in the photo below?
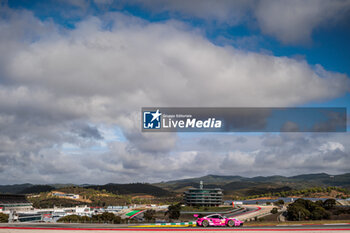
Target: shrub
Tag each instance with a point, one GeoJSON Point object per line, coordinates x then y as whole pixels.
{"type": "Point", "coordinates": [305, 209]}
{"type": "Point", "coordinates": [70, 218]}
{"type": "Point", "coordinates": [319, 213]}
{"type": "Point", "coordinates": [274, 211]}
{"type": "Point", "coordinates": [279, 202]}
{"type": "Point", "coordinates": [174, 211]}
{"type": "Point", "coordinates": [149, 214]}
{"type": "Point", "coordinates": [329, 204]}
{"type": "Point", "coordinates": [4, 217]}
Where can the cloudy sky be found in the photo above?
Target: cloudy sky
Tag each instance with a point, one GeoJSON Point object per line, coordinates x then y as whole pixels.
{"type": "Point", "coordinates": [75, 74]}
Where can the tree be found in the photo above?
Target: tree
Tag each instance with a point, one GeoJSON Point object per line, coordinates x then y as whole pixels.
{"type": "Point", "coordinates": [274, 211]}
{"type": "Point", "coordinates": [319, 213]}
{"type": "Point", "coordinates": [279, 202]}
{"type": "Point", "coordinates": [297, 212]}
{"type": "Point", "coordinates": [106, 217]}
{"type": "Point", "coordinates": [319, 203]}
{"type": "Point", "coordinates": [85, 219]}
{"type": "Point", "coordinates": [174, 211]}
{"type": "Point", "coordinates": [305, 209]}
{"type": "Point", "coordinates": [149, 214]}
{"type": "Point", "coordinates": [4, 217]}
{"type": "Point", "coordinates": [329, 204]}
{"type": "Point", "coordinates": [70, 218]}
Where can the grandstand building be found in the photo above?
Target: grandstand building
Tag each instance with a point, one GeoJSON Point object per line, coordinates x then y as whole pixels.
{"type": "Point", "coordinates": [15, 202]}
{"type": "Point", "coordinates": [203, 197]}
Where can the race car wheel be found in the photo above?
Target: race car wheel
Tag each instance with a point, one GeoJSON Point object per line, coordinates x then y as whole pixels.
{"type": "Point", "coordinates": [241, 225]}
{"type": "Point", "coordinates": [205, 223]}
{"type": "Point", "coordinates": [230, 223]}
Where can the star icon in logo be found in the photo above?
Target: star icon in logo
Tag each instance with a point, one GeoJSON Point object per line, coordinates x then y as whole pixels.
{"type": "Point", "coordinates": [156, 115]}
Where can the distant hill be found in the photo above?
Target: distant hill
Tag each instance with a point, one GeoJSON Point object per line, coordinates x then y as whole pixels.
{"type": "Point", "coordinates": [30, 188]}
{"type": "Point", "coordinates": [51, 202]}
{"type": "Point", "coordinates": [35, 189]}
{"type": "Point", "coordinates": [232, 185]}
{"type": "Point", "coordinates": [136, 188]}
{"type": "Point", "coordinates": [239, 185]}
{"type": "Point", "coordinates": [209, 179]}
{"type": "Point", "coordinates": [14, 188]}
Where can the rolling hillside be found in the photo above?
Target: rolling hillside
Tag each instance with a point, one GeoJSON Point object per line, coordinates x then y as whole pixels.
{"type": "Point", "coordinates": [232, 185]}
{"type": "Point", "coordinates": [14, 188]}
{"type": "Point", "coordinates": [35, 189]}
{"type": "Point", "coordinates": [238, 185]}
{"type": "Point", "coordinates": [136, 188]}
{"type": "Point", "coordinates": [120, 189]}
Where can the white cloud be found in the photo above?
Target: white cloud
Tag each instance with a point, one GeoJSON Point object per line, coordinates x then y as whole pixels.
{"type": "Point", "coordinates": [162, 64]}
{"type": "Point", "coordinates": [291, 22]}
{"type": "Point", "coordinates": [331, 146]}
{"type": "Point", "coordinates": [294, 21]}
{"type": "Point", "coordinates": [60, 87]}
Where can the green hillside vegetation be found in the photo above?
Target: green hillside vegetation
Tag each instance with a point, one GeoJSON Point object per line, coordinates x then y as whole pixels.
{"type": "Point", "coordinates": [305, 210]}
{"type": "Point", "coordinates": [80, 190]}
{"type": "Point", "coordinates": [261, 186]}
{"type": "Point", "coordinates": [300, 181]}
{"type": "Point", "coordinates": [101, 197]}
{"type": "Point", "coordinates": [120, 189]}
{"type": "Point", "coordinates": [87, 196]}
{"type": "Point", "coordinates": [58, 202]}
{"type": "Point", "coordinates": [14, 188]}
{"type": "Point", "coordinates": [252, 188]}
{"type": "Point", "coordinates": [136, 188]}
{"type": "Point", "coordinates": [307, 185]}
{"type": "Point", "coordinates": [309, 192]}
{"type": "Point", "coordinates": [92, 197]}
{"type": "Point", "coordinates": [30, 188]}
{"type": "Point", "coordinates": [36, 189]}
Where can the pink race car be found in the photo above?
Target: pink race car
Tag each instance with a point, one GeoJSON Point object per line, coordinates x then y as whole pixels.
{"type": "Point", "coordinates": [217, 220]}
